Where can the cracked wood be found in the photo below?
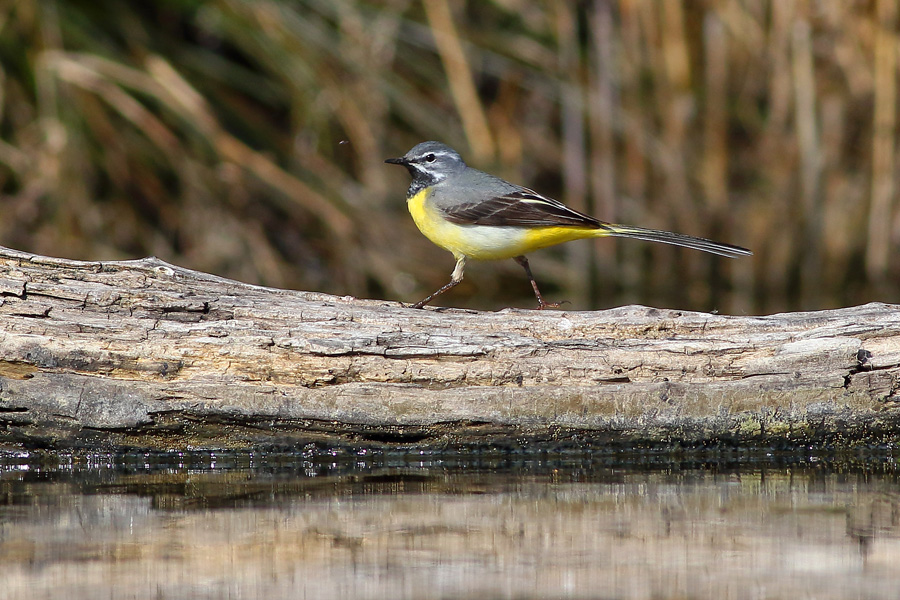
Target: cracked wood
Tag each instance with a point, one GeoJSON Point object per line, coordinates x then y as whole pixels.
{"type": "Point", "coordinates": [146, 354]}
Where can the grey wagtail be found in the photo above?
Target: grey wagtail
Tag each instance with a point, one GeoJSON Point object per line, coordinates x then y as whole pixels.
{"type": "Point", "coordinates": [475, 215]}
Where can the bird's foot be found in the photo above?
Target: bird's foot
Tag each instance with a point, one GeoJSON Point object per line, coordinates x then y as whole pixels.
{"type": "Point", "coordinates": [543, 304]}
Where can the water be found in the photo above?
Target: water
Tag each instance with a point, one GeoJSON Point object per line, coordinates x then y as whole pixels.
{"type": "Point", "coordinates": [326, 523]}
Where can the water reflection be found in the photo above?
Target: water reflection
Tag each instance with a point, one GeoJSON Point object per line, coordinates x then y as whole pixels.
{"type": "Point", "coordinates": [336, 524]}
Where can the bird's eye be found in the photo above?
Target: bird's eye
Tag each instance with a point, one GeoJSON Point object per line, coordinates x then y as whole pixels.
{"type": "Point", "coordinates": [429, 158]}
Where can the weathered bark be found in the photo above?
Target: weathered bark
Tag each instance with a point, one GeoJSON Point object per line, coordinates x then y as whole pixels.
{"type": "Point", "coordinates": [145, 354]}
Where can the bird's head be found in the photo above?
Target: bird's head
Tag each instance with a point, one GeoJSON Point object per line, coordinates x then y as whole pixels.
{"type": "Point", "coordinates": [433, 161]}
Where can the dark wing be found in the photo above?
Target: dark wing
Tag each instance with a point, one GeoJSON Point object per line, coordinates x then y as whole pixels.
{"type": "Point", "coordinates": [522, 208]}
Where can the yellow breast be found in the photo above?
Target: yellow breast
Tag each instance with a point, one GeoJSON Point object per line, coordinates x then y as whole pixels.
{"type": "Point", "coordinates": [429, 221]}
{"type": "Point", "coordinates": [485, 242]}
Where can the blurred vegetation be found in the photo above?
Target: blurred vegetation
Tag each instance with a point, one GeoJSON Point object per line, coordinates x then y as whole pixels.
{"type": "Point", "coordinates": [247, 139]}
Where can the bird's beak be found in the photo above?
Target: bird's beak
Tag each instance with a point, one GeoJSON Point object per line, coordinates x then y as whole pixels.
{"type": "Point", "coordinates": [397, 161]}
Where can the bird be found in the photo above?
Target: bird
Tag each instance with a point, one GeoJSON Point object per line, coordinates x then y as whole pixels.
{"type": "Point", "coordinates": [476, 215]}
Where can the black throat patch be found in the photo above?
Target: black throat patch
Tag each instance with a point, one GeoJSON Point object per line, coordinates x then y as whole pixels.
{"type": "Point", "coordinates": [420, 181]}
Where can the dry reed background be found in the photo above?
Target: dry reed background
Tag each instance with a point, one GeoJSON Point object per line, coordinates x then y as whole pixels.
{"type": "Point", "coordinates": [247, 139]}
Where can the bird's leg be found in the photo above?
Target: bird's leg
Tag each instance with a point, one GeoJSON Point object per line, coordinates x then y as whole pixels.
{"type": "Point", "coordinates": [541, 303]}
{"type": "Point", "coordinates": [455, 278]}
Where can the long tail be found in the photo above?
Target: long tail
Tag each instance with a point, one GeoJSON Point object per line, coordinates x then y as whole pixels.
{"type": "Point", "coordinates": [676, 239]}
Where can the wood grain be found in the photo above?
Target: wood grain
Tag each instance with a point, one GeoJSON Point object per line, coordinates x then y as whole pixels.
{"type": "Point", "coordinates": [145, 354]}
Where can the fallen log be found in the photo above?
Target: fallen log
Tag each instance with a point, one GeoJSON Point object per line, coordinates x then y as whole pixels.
{"type": "Point", "coordinates": [144, 354]}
